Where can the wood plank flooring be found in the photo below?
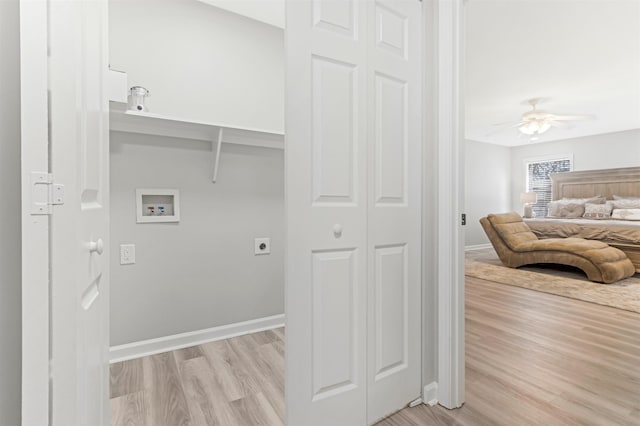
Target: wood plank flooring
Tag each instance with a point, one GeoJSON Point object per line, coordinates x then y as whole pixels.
{"type": "Point", "coordinates": [538, 359]}
{"type": "Point", "coordinates": [532, 359]}
{"type": "Point", "coordinates": [239, 381]}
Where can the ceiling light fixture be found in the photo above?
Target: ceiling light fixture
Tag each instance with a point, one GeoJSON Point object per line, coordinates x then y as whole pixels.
{"type": "Point", "coordinates": [535, 126]}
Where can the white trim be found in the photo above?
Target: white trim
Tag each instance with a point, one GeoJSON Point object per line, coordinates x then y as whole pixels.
{"type": "Point", "coordinates": [477, 247]}
{"type": "Point", "coordinates": [192, 338]}
{"type": "Point", "coordinates": [549, 157]}
{"type": "Point", "coordinates": [450, 200]}
{"type": "Point", "coordinates": [34, 111]}
{"type": "Point", "coordinates": [142, 218]}
{"type": "Point", "coordinates": [430, 394]}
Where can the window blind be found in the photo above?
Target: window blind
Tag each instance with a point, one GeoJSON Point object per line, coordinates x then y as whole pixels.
{"type": "Point", "coordinates": [538, 180]}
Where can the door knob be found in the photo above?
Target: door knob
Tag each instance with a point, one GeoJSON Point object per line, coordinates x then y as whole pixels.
{"type": "Point", "coordinates": [96, 246]}
{"type": "Point", "coordinates": [337, 230]}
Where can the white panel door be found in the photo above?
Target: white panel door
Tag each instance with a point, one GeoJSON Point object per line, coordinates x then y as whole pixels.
{"type": "Point", "coordinates": [326, 156]}
{"type": "Point", "coordinates": [79, 228]}
{"type": "Point", "coordinates": [394, 231]}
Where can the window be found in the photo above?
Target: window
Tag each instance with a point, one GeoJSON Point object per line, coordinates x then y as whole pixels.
{"type": "Point", "coordinates": [538, 180]}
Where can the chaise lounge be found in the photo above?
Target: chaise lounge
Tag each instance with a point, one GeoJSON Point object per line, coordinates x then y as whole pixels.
{"type": "Point", "coordinates": [516, 246]}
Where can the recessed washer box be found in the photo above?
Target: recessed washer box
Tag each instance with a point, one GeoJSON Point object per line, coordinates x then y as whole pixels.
{"type": "Point", "coordinates": [157, 205]}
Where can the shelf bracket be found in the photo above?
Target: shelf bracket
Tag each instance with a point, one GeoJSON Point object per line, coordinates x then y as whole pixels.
{"type": "Point", "coordinates": [216, 154]}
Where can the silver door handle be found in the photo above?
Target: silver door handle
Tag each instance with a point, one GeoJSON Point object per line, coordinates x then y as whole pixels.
{"type": "Point", "coordinates": [96, 246]}
{"type": "Point", "coordinates": [337, 230]}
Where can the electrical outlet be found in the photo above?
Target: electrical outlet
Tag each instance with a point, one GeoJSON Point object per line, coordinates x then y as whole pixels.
{"type": "Point", "coordinates": [262, 246]}
{"type": "Point", "coordinates": [127, 254]}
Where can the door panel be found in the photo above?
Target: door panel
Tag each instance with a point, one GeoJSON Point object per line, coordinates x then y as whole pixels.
{"type": "Point", "coordinates": [391, 30]}
{"type": "Point", "coordinates": [79, 228]}
{"type": "Point", "coordinates": [394, 222]}
{"type": "Point", "coordinates": [326, 190]}
{"type": "Point", "coordinates": [334, 331]}
{"type": "Point", "coordinates": [353, 168]}
{"type": "Point", "coordinates": [391, 310]}
{"type": "Point", "coordinates": [391, 140]}
{"type": "Point", "coordinates": [334, 123]}
{"type": "Point", "coordinates": [336, 16]}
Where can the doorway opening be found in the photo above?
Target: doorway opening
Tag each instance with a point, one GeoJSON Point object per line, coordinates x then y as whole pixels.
{"type": "Point", "coordinates": [197, 215]}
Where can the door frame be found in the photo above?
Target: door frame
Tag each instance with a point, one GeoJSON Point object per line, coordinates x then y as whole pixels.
{"type": "Point", "coordinates": [451, 359]}
{"type": "Point", "coordinates": [443, 181]}
{"type": "Point", "coordinates": [443, 239]}
{"type": "Point", "coordinates": [35, 228]}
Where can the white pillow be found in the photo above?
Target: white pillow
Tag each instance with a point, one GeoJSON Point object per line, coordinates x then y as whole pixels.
{"type": "Point", "coordinates": [625, 197]}
{"type": "Point", "coordinates": [596, 199]}
{"type": "Point", "coordinates": [565, 210]}
{"type": "Point", "coordinates": [626, 203]}
{"type": "Point", "coordinates": [626, 214]}
{"type": "Point", "coordinates": [598, 211]}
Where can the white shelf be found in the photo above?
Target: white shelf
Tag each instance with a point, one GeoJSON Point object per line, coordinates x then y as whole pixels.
{"type": "Point", "coordinates": [123, 120]}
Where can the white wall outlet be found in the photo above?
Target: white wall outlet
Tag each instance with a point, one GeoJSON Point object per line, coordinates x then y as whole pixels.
{"type": "Point", "coordinates": [127, 254]}
{"type": "Point", "coordinates": [262, 246]}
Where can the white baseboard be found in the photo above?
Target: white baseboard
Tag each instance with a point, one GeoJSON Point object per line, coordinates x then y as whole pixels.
{"type": "Point", "coordinates": [192, 338]}
{"type": "Point", "coordinates": [430, 394]}
{"type": "Point", "coordinates": [478, 247]}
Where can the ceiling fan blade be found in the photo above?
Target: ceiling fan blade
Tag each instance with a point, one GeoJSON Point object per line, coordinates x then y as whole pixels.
{"type": "Point", "coordinates": [560, 124]}
{"type": "Point", "coordinates": [503, 127]}
{"type": "Point", "coordinates": [504, 123]}
{"type": "Point", "coordinates": [496, 131]}
{"type": "Point", "coordinates": [572, 117]}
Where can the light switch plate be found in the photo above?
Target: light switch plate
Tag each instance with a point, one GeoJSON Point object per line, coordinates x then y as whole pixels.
{"type": "Point", "coordinates": [127, 254]}
{"type": "Point", "coordinates": [262, 246]}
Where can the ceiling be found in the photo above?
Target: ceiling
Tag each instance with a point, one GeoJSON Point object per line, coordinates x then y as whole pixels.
{"type": "Point", "coordinates": [268, 11]}
{"type": "Point", "coordinates": [582, 56]}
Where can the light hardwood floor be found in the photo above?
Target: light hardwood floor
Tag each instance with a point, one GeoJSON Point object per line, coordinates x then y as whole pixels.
{"type": "Point", "coordinates": [238, 381]}
{"type": "Point", "coordinates": [532, 359]}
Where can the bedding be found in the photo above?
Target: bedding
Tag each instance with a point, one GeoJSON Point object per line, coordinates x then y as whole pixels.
{"type": "Point", "coordinates": [626, 214]}
{"type": "Point", "coordinates": [603, 195]}
{"type": "Point", "coordinates": [565, 210]}
{"type": "Point", "coordinates": [626, 203]}
{"type": "Point", "coordinates": [621, 234]}
{"type": "Point", "coordinates": [608, 231]}
{"type": "Point", "coordinates": [597, 211]}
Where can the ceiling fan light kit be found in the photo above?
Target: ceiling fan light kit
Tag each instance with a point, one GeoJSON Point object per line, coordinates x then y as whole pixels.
{"type": "Point", "coordinates": [537, 122]}
{"type": "Point", "coordinates": [535, 126]}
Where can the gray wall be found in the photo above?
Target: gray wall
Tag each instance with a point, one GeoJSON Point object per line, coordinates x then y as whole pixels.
{"type": "Point", "coordinates": [487, 186]}
{"type": "Point", "coordinates": [611, 150]}
{"type": "Point", "coordinates": [495, 175]}
{"type": "Point", "coordinates": [200, 62]}
{"type": "Point", "coordinates": [10, 239]}
{"type": "Point", "coordinates": [200, 272]}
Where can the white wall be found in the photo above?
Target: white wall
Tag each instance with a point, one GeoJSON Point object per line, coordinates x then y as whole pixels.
{"type": "Point", "coordinates": [611, 150]}
{"type": "Point", "coordinates": [10, 239]}
{"type": "Point", "coordinates": [268, 11]}
{"type": "Point", "coordinates": [200, 62]}
{"type": "Point", "coordinates": [200, 272]}
{"type": "Point", "coordinates": [495, 175]}
{"type": "Point", "coordinates": [487, 186]}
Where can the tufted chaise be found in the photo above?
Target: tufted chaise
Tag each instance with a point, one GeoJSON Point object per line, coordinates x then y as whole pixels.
{"type": "Point", "coordinates": [516, 245]}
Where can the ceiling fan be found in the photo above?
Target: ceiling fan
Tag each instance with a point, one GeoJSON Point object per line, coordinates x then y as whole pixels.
{"type": "Point", "coordinates": [536, 122]}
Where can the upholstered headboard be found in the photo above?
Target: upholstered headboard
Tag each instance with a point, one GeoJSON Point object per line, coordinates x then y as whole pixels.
{"type": "Point", "coordinates": [606, 182]}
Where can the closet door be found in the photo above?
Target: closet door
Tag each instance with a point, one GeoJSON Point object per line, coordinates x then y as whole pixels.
{"type": "Point", "coordinates": [394, 234]}
{"type": "Point", "coordinates": [79, 238]}
{"type": "Point", "coordinates": [326, 196]}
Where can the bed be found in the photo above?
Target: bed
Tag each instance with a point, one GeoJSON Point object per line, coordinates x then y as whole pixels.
{"type": "Point", "coordinates": [622, 234]}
